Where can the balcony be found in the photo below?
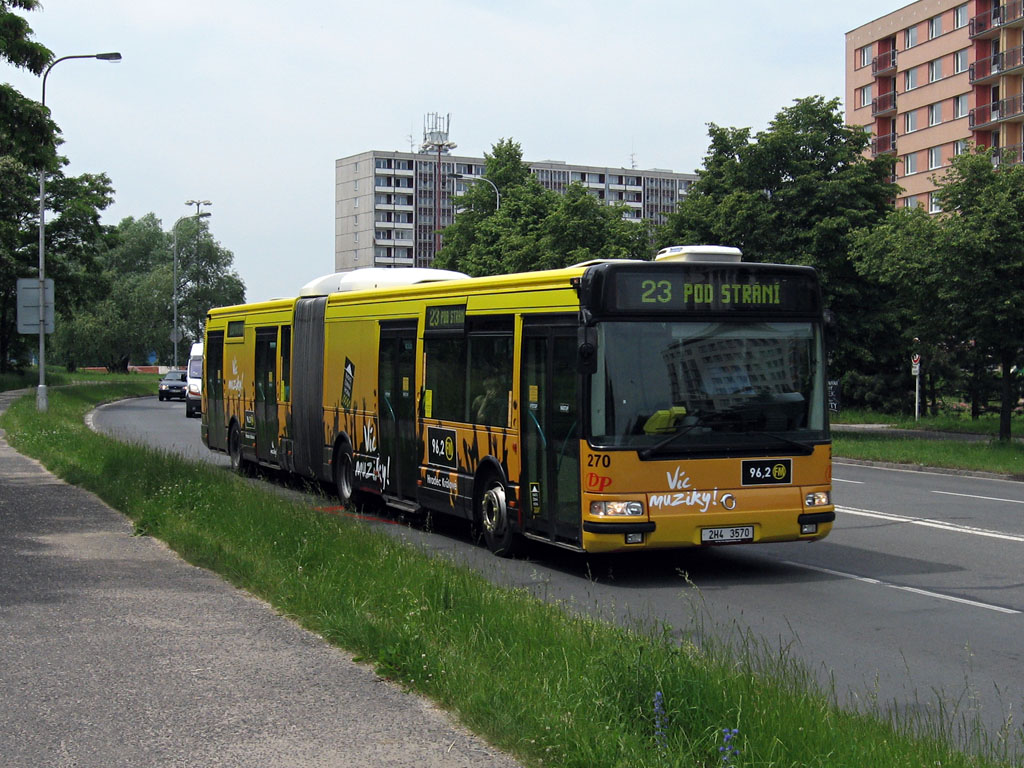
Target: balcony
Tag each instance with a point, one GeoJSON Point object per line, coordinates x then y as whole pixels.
{"type": "Point", "coordinates": [883, 145]}
{"type": "Point", "coordinates": [884, 104]}
{"type": "Point", "coordinates": [1007, 155]}
{"type": "Point", "coordinates": [883, 63]}
{"type": "Point", "coordinates": [1000, 111]}
{"type": "Point", "coordinates": [988, 24]}
{"type": "Point", "coordinates": [1004, 63]}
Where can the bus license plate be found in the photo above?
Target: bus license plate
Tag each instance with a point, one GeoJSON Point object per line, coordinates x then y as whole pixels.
{"type": "Point", "coordinates": [731, 535]}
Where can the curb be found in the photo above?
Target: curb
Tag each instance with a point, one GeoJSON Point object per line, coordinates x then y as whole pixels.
{"type": "Point", "coordinates": [927, 470]}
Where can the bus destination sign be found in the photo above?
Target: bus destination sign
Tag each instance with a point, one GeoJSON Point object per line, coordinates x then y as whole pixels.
{"type": "Point", "coordinates": [710, 290]}
{"type": "Point", "coordinates": [448, 317]}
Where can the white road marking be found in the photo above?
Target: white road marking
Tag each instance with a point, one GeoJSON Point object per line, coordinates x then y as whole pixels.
{"type": "Point", "coordinates": [840, 480]}
{"type": "Point", "coordinates": [927, 523]}
{"type": "Point", "coordinates": [914, 590]}
{"type": "Point", "coordinates": [973, 496]}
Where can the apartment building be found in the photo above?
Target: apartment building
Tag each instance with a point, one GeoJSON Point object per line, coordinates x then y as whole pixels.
{"type": "Point", "coordinates": [932, 76]}
{"type": "Point", "coordinates": [389, 205]}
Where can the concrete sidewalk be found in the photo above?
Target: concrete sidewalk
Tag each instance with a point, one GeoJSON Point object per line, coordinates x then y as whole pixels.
{"type": "Point", "coordinates": [115, 652]}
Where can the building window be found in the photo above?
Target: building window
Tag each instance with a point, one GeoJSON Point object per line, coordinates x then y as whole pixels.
{"type": "Point", "coordinates": [934, 27]}
{"type": "Point", "coordinates": [865, 96]}
{"type": "Point", "coordinates": [910, 79]}
{"type": "Point", "coordinates": [934, 158]}
{"type": "Point", "coordinates": [911, 202]}
{"type": "Point", "coordinates": [911, 121]}
{"type": "Point", "coordinates": [960, 106]}
{"type": "Point", "coordinates": [910, 164]}
{"type": "Point", "coordinates": [864, 56]}
{"type": "Point", "coordinates": [910, 37]}
{"type": "Point", "coordinates": [960, 16]}
{"type": "Point", "coordinates": [934, 114]}
{"type": "Point", "coordinates": [960, 62]}
{"type": "Point", "coordinates": [933, 203]}
{"type": "Point", "coordinates": [934, 70]}
{"type": "Point", "coordinates": [960, 147]}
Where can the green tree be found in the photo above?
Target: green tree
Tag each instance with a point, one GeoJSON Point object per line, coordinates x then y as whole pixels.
{"type": "Point", "coordinates": [963, 271]}
{"type": "Point", "coordinates": [128, 314]}
{"type": "Point", "coordinates": [534, 228]}
{"type": "Point", "coordinates": [793, 194]}
{"type": "Point", "coordinates": [26, 133]}
{"type": "Point", "coordinates": [205, 277]}
{"type": "Point", "coordinates": [28, 146]}
{"type": "Point", "coordinates": [898, 255]}
{"type": "Point", "coordinates": [123, 326]}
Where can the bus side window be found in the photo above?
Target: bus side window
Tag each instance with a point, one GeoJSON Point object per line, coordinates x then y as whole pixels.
{"type": "Point", "coordinates": [446, 377]}
{"type": "Point", "coordinates": [490, 380]}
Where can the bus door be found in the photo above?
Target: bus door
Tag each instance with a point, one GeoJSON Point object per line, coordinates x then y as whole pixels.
{"type": "Point", "coordinates": [213, 388]}
{"type": "Point", "coordinates": [396, 409]}
{"type": "Point", "coordinates": [550, 488]}
{"type": "Point", "coordinates": [266, 394]}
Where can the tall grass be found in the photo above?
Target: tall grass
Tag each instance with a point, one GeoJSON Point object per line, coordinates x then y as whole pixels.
{"type": "Point", "coordinates": [58, 376]}
{"type": "Point", "coordinates": [989, 456]}
{"type": "Point", "coordinates": [545, 682]}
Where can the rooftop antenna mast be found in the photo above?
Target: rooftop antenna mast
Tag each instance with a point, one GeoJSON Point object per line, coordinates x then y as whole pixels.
{"type": "Point", "coordinates": [435, 138]}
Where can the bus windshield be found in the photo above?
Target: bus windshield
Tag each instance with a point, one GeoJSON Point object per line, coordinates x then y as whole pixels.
{"type": "Point", "coordinates": [684, 387]}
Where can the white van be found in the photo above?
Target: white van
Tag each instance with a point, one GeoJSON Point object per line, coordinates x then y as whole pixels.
{"type": "Point", "coordinates": [194, 387]}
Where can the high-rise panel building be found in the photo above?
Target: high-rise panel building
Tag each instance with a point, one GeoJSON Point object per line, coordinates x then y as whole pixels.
{"type": "Point", "coordinates": [389, 205]}
{"type": "Point", "coordinates": [932, 76]}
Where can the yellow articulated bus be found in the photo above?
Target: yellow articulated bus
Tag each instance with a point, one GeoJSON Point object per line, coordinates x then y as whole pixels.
{"type": "Point", "coordinates": [611, 406]}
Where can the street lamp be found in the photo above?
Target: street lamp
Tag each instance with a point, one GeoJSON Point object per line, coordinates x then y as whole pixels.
{"type": "Point", "coordinates": [175, 333]}
{"type": "Point", "coordinates": [497, 194]}
{"type": "Point", "coordinates": [42, 402]}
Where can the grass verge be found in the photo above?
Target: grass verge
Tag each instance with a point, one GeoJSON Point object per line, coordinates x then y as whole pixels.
{"type": "Point", "coordinates": [550, 685]}
{"type": "Point", "coordinates": [946, 421]}
{"type": "Point", "coordinates": [58, 376]}
{"type": "Point", "coordinates": [992, 456]}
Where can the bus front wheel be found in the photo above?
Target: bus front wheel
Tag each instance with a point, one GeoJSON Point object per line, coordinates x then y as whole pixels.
{"type": "Point", "coordinates": [493, 516]}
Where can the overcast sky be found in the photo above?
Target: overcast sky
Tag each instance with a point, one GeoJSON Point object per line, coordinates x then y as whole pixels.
{"type": "Point", "coordinates": [248, 103]}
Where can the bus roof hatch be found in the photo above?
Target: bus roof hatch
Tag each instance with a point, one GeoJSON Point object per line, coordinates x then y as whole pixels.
{"type": "Point", "coordinates": [712, 253]}
{"type": "Point", "coordinates": [376, 277]}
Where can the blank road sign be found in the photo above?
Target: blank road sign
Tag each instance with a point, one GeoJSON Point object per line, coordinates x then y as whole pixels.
{"type": "Point", "coordinates": [28, 305]}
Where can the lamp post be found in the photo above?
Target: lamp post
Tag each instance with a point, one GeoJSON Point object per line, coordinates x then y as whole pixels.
{"type": "Point", "coordinates": [42, 401]}
{"type": "Point", "coordinates": [497, 194]}
{"type": "Point", "coordinates": [175, 333]}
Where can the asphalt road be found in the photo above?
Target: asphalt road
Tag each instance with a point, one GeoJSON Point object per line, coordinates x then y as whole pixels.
{"type": "Point", "coordinates": [916, 597]}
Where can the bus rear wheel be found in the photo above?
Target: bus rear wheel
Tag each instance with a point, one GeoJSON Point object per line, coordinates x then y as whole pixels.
{"type": "Point", "coordinates": [344, 474]}
{"type": "Point", "coordinates": [235, 449]}
{"type": "Point", "coordinates": [492, 513]}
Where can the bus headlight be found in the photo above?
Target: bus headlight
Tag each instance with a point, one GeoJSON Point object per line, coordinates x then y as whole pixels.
{"type": "Point", "coordinates": [818, 499]}
{"type": "Point", "coordinates": [616, 508]}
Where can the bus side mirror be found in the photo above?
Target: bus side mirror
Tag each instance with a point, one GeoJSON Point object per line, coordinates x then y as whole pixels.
{"type": "Point", "coordinates": [586, 350]}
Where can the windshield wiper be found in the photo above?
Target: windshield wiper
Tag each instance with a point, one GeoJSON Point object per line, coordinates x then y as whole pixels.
{"type": "Point", "coordinates": [646, 453]}
{"type": "Point", "coordinates": [702, 420]}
